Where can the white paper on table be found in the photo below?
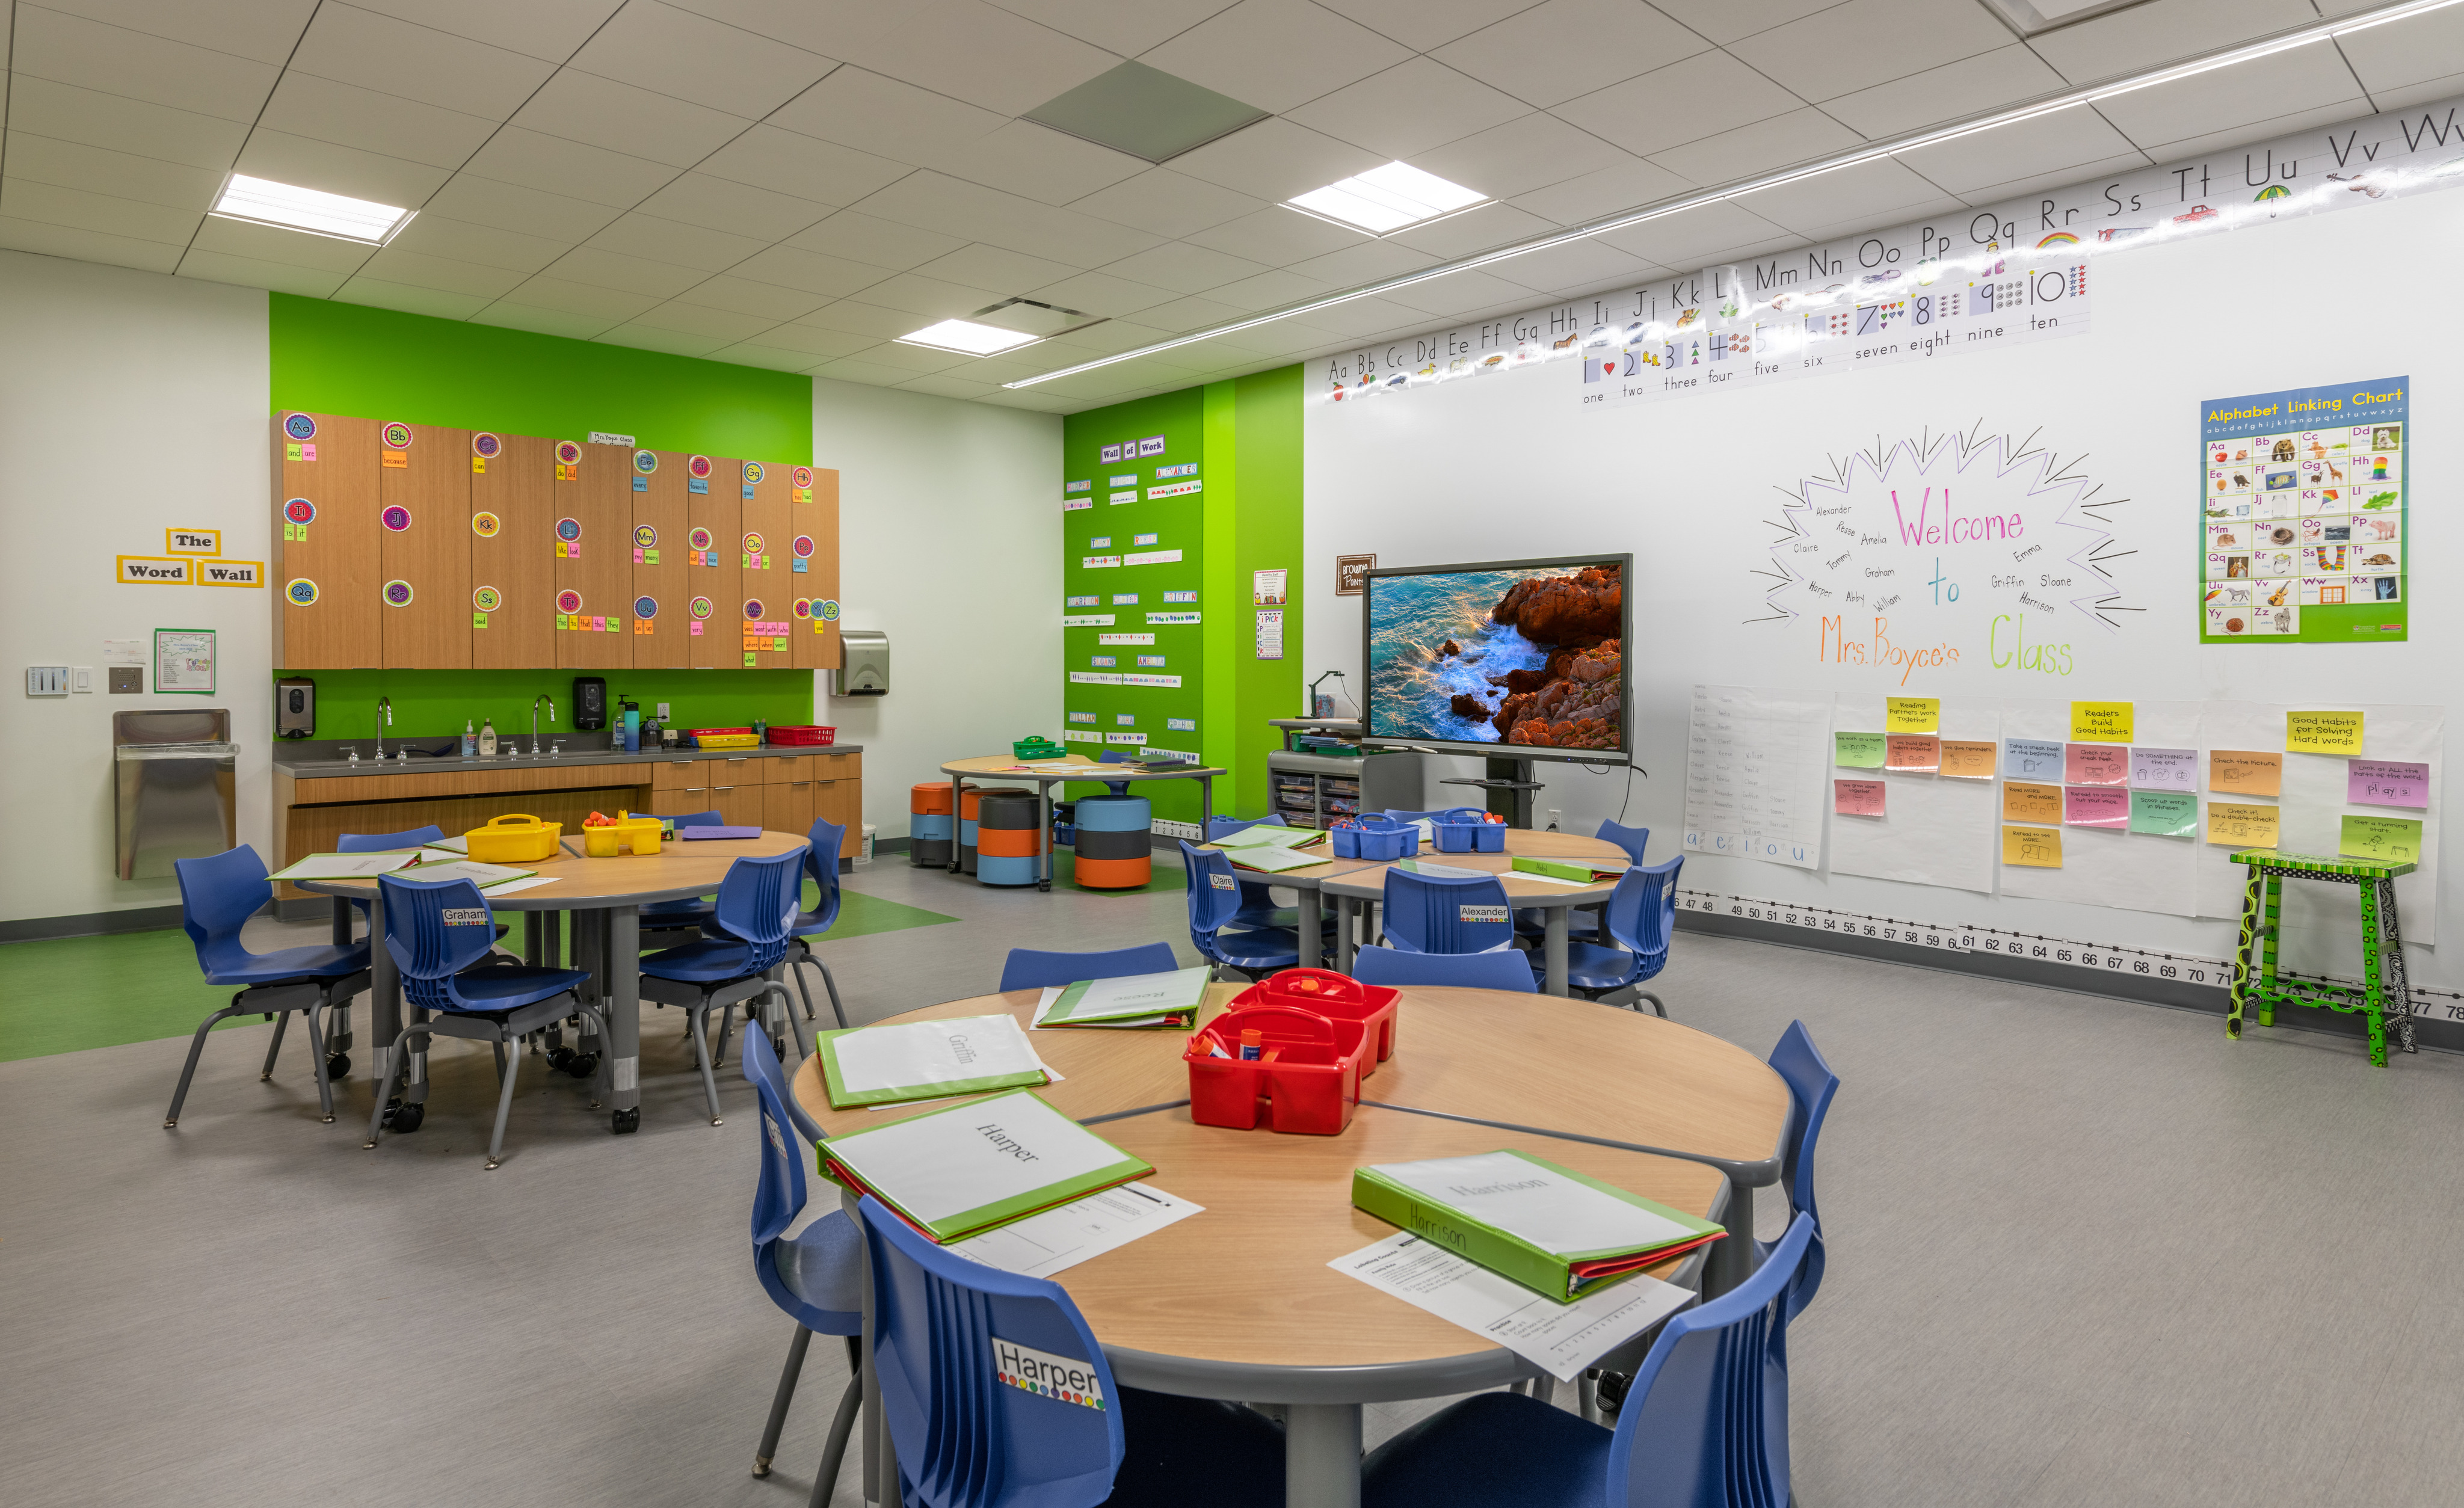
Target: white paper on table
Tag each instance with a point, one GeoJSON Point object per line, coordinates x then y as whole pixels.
{"type": "Point", "coordinates": [343, 866]}
{"type": "Point", "coordinates": [1543, 1206]}
{"type": "Point", "coordinates": [531, 884]}
{"type": "Point", "coordinates": [911, 1106]}
{"type": "Point", "coordinates": [1449, 871]}
{"type": "Point", "coordinates": [1548, 879]}
{"type": "Point", "coordinates": [457, 847]}
{"type": "Point", "coordinates": [437, 853]}
{"type": "Point", "coordinates": [938, 1052]}
{"type": "Point", "coordinates": [1561, 1339]}
{"type": "Point", "coordinates": [486, 876]}
{"type": "Point", "coordinates": [1058, 1239]}
{"type": "Point", "coordinates": [1052, 992]}
{"type": "Point", "coordinates": [938, 1166]}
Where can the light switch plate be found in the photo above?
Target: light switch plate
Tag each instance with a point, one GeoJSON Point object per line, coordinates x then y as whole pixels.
{"type": "Point", "coordinates": [127, 680]}
{"type": "Point", "coordinates": [82, 679]}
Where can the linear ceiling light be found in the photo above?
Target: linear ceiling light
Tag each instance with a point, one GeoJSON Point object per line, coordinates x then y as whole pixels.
{"type": "Point", "coordinates": [968, 339]}
{"type": "Point", "coordinates": [1386, 199]}
{"type": "Point", "coordinates": [261, 200]}
{"type": "Point", "coordinates": [1891, 147]}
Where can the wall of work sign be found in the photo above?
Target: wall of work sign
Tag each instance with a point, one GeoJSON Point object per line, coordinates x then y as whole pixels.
{"type": "Point", "coordinates": [2302, 514]}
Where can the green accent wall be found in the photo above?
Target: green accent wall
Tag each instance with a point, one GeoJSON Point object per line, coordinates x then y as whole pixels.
{"type": "Point", "coordinates": [1254, 524]}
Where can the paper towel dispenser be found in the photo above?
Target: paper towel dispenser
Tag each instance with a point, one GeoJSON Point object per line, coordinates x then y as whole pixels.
{"type": "Point", "coordinates": [864, 664]}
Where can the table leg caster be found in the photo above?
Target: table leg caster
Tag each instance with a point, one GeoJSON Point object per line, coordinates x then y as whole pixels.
{"type": "Point", "coordinates": [628, 1120]}
{"type": "Point", "coordinates": [339, 1067]}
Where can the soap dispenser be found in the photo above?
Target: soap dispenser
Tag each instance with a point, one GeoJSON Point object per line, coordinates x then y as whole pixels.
{"type": "Point", "coordinates": [487, 738]}
{"type": "Point", "coordinates": [469, 739]}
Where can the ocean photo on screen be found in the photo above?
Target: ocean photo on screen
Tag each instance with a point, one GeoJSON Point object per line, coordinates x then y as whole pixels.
{"type": "Point", "coordinates": [1498, 657]}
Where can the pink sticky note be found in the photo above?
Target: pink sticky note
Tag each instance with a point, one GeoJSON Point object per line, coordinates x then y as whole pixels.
{"type": "Point", "coordinates": [2097, 764]}
{"type": "Point", "coordinates": [2095, 806]}
{"type": "Point", "coordinates": [2386, 782]}
{"type": "Point", "coordinates": [1856, 797]}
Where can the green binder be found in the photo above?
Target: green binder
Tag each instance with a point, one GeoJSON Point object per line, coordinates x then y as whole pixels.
{"type": "Point", "coordinates": [935, 1060]}
{"type": "Point", "coordinates": [955, 1172]}
{"type": "Point", "coordinates": [1549, 1228]}
{"type": "Point", "coordinates": [1574, 869]}
{"type": "Point", "coordinates": [1147, 999]}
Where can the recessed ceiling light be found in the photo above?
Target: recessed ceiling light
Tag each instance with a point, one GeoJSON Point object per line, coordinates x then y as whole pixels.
{"type": "Point", "coordinates": [264, 202]}
{"type": "Point", "coordinates": [968, 337]}
{"type": "Point", "coordinates": [1387, 199]}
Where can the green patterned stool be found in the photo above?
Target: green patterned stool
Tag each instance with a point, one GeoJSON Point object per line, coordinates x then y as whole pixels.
{"type": "Point", "coordinates": [2382, 998]}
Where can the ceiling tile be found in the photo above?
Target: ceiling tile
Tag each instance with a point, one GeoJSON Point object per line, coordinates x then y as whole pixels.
{"type": "Point", "coordinates": [2060, 178]}
{"type": "Point", "coordinates": [1187, 268]}
{"type": "Point", "coordinates": [71, 49]}
{"type": "Point", "coordinates": [1417, 104]}
{"type": "Point", "coordinates": [88, 246]}
{"type": "Point", "coordinates": [1364, 263]}
{"type": "Point", "coordinates": [1166, 202]}
{"type": "Point", "coordinates": [1422, 25]}
{"type": "Point", "coordinates": [810, 272]}
{"type": "Point", "coordinates": [1629, 185]}
{"type": "Point", "coordinates": [2026, 149]}
{"type": "Point", "coordinates": [856, 317]}
{"type": "Point", "coordinates": [1867, 42]}
{"type": "Point", "coordinates": [632, 274]}
{"type": "Point", "coordinates": [2400, 97]}
{"type": "Point", "coordinates": [692, 57]}
{"type": "Point", "coordinates": [1757, 148]}
{"type": "Point", "coordinates": [2265, 128]}
{"type": "Point", "coordinates": [1191, 313]}
{"type": "Point", "coordinates": [1724, 21]}
{"type": "Point", "coordinates": [1988, 81]}
{"type": "Point", "coordinates": [539, 218]}
{"type": "Point", "coordinates": [71, 114]}
{"type": "Point", "coordinates": [1475, 230]}
{"type": "Point", "coordinates": [282, 277]}
{"type": "Point", "coordinates": [1584, 263]}
{"type": "Point", "coordinates": [335, 169]}
{"type": "Point", "coordinates": [973, 212]}
{"type": "Point", "coordinates": [967, 49]}
{"type": "Point", "coordinates": [916, 358]}
{"type": "Point", "coordinates": [411, 299]}
{"type": "Point", "coordinates": [782, 161]}
{"type": "Point", "coordinates": [1101, 294]}
{"type": "Point", "coordinates": [1272, 237]}
{"type": "Point", "coordinates": [2405, 53]}
{"type": "Point", "coordinates": [584, 107]}
{"type": "Point", "coordinates": [982, 266]}
{"type": "Point", "coordinates": [546, 322]}
{"type": "Point", "coordinates": [676, 241]}
{"type": "Point", "coordinates": [723, 324]}
{"type": "Point", "coordinates": [2205, 106]}
{"type": "Point", "coordinates": [650, 338]}
{"type": "Point", "coordinates": [548, 29]}
{"type": "Point", "coordinates": [21, 199]}
{"type": "Point", "coordinates": [1467, 296]}
{"type": "Point", "coordinates": [1881, 193]}
{"type": "Point", "coordinates": [125, 175]}
{"type": "Point", "coordinates": [267, 243]}
{"type": "Point", "coordinates": [1271, 290]}
{"type": "Point", "coordinates": [752, 353]}
{"type": "Point", "coordinates": [1128, 30]}
{"type": "Point", "coordinates": [817, 342]}
{"type": "Point", "coordinates": [1942, 210]}
{"type": "Point", "coordinates": [444, 273]}
{"type": "Point", "coordinates": [353, 45]}
{"type": "Point", "coordinates": [459, 241]}
{"type": "Point", "coordinates": [306, 105]}
{"type": "Point", "coordinates": [1276, 54]}
{"type": "Point", "coordinates": [567, 168]}
{"type": "Point", "coordinates": [858, 369]}
{"type": "Point", "coordinates": [1720, 92]}
{"type": "Point", "coordinates": [1522, 155]}
{"type": "Point", "coordinates": [858, 237]}
{"type": "Point", "coordinates": [1689, 238]}
{"type": "Point", "coordinates": [262, 29]}
{"type": "Point", "coordinates": [2161, 31]}
{"type": "Point", "coordinates": [1024, 157]}
{"type": "Point", "coordinates": [721, 205]}
{"type": "Point", "coordinates": [859, 108]}
{"type": "Point", "coordinates": [1362, 317]}
{"type": "Point", "coordinates": [746, 295]}
{"type": "Point", "coordinates": [1275, 159]}
{"type": "Point", "coordinates": [587, 300]}
{"type": "Point", "coordinates": [1564, 49]}
{"type": "Point", "coordinates": [947, 386]}
{"type": "Point", "coordinates": [930, 298]}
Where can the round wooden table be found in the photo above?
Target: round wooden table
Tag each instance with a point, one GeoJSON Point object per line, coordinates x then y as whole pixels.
{"type": "Point", "coordinates": [1049, 773]}
{"type": "Point", "coordinates": [605, 896]}
{"type": "Point", "coordinates": [1366, 882]}
{"type": "Point", "coordinates": [1239, 1303]}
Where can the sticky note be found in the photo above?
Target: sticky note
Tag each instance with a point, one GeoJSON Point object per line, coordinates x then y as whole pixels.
{"type": "Point", "coordinates": [2035, 847]}
{"type": "Point", "coordinates": [2386, 782]}
{"type": "Point", "coordinates": [2240, 827]}
{"type": "Point", "coordinates": [2101, 722]}
{"type": "Point", "coordinates": [2246, 772]}
{"type": "Point", "coordinates": [2388, 839]}
{"type": "Point", "coordinates": [1912, 714]}
{"type": "Point", "coordinates": [2022, 802]}
{"type": "Point", "coordinates": [1856, 751]}
{"type": "Point", "coordinates": [1966, 761]}
{"type": "Point", "coordinates": [2095, 764]}
{"type": "Point", "coordinates": [1910, 751]}
{"type": "Point", "coordinates": [1856, 797]}
{"type": "Point", "coordinates": [2164, 768]}
{"type": "Point", "coordinates": [2031, 759]}
{"type": "Point", "coordinates": [2323, 733]}
{"type": "Point", "coordinates": [2095, 806]}
{"type": "Point", "coordinates": [2167, 813]}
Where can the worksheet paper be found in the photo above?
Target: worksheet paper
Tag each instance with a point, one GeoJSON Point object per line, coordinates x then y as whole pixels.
{"type": "Point", "coordinates": [1059, 1239]}
{"type": "Point", "coordinates": [1541, 1205]}
{"type": "Point", "coordinates": [949, 1051]}
{"type": "Point", "coordinates": [343, 866]}
{"type": "Point", "coordinates": [1561, 1339]}
{"type": "Point", "coordinates": [1935, 829]}
{"type": "Point", "coordinates": [2111, 866]}
{"type": "Point", "coordinates": [952, 1161]}
{"type": "Point", "coordinates": [1758, 774]}
{"type": "Point", "coordinates": [489, 877]}
{"type": "Point", "coordinates": [457, 847]}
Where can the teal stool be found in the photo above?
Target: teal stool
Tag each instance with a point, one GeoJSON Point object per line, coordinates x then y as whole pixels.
{"type": "Point", "coordinates": [2382, 996]}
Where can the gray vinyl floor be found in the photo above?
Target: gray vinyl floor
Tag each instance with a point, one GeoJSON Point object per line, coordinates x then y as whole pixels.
{"type": "Point", "coordinates": [2081, 1251]}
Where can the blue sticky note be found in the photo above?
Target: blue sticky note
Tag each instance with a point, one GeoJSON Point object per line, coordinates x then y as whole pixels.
{"type": "Point", "coordinates": [641, 484]}
{"type": "Point", "coordinates": [799, 565]}
{"type": "Point", "coordinates": [2031, 759]}
{"type": "Point", "coordinates": [748, 492]}
{"type": "Point", "coordinates": [698, 484]}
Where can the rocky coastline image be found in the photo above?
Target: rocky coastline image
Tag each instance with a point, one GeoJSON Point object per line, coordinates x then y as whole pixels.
{"type": "Point", "coordinates": [1500, 657]}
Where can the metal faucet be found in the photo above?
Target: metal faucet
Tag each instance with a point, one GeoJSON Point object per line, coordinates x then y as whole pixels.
{"type": "Point", "coordinates": [551, 718]}
{"type": "Point", "coordinates": [385, 720]}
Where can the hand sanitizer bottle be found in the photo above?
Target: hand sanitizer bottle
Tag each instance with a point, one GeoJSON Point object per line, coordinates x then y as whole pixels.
{"type": "Point", "coordinates": [469, 739]}
{"type": "Point", "coordinates": [488, 738]}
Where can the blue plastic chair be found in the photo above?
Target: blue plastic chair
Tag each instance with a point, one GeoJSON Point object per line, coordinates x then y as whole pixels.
{"type": "Point", "coordinates": [217, 896]}
{"type": "Point", "coordinates": [436, 931]}
{"type": "Point", "coordinates": [1027, 968]}
{"type": "Point", "coordinates": [1423, 913]}
{"type": "Point", "coordinates": [1584, 922]}
{"type": "Point", "coordinates": [977, 1424]}
{"type": "Point", "coordinates": [1642, 916]}
{"type": "Point", "coordinates": [1704, 1426]}
{"type": "Point", "coordinates": [1811, 1084]}
{"type": "Point", "coordinates": [668, 916]}
{"type": "Point", "coordinates": [1388, 966]}
{"type": "Point", "coordinates": [815, 1277]}
{"type": "Point", "coordinates": [1257, 906]}
{"type": "Point", "coordinates": [757, 905]}
{"type": "Point", "coordinates": [822, 847]}
{"type": "Point", "coordinates": [1214, 901]}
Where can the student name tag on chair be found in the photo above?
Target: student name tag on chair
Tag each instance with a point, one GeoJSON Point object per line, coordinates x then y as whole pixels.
{"type": "Point", "coordinates": [465, 915]}
{"type": "Point", "coordinates": [1481, 914]}
{"type": "Point", "coordinates": [1223, 882]}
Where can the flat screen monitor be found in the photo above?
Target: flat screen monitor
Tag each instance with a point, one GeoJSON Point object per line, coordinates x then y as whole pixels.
{"type": "Point", "coordinates": [1504, 657]}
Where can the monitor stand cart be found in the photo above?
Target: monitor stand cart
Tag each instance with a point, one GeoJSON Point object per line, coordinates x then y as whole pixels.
{"type": "Point", "coordinates": [1509, 786]}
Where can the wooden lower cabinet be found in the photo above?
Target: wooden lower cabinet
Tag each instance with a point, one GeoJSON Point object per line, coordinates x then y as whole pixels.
{"type": "Point", "coordinates": [841, 801]}
{"type": "Point", "coordinates": [787, 807]}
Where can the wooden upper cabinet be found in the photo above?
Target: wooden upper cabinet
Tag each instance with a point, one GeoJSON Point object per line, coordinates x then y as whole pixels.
{"type": "Point", "coordinates": [813, 518]}
{"type": "Point", "coordinates": [770, 587]}
{"type": "Point", "coordinates": [423, 519]}
{"type": "Point", "coordinates": [664, 639]}
{"type": "Point", "coordinates": [713, 569]}
{"type": "Point", "coordinates": [513, 575]}
{"type": "Point", "coordinates": [327, 608]}
{"type": "Point", "coordinates": [591, 539]}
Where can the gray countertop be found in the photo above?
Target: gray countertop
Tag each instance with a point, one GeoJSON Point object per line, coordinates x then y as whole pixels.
{"type": "Point", "coordinates": [314, 760]}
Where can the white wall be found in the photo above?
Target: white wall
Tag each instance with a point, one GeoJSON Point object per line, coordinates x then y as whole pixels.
{"type": "Point", "coordinates": [947, 512]}
{"type": "Point", "coordinates": [129, 402]}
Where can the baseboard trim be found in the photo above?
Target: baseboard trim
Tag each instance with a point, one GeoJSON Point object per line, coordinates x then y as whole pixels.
{"type": "Point", "coordinates": [93, 923]}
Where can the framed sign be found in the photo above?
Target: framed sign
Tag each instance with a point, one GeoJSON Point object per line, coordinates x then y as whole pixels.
{"type": "Point", "coordinates": [1352, 573]}
{"type": "Point", "coordinates": [184, 662]}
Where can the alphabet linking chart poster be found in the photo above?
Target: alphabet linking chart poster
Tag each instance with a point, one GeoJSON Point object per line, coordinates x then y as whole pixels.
{"type": "Point", "coordinates": [1755, 779]}
{"type": "Point", "coordinates": [2302, 515]}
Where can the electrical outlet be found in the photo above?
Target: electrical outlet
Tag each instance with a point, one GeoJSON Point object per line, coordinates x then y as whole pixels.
{"type": "Point", "coordinates": [1555, 816]}
{"type": "Point", "coordinates": [47, 680]}
{"type": "Point", "coordinates": [663, 712]}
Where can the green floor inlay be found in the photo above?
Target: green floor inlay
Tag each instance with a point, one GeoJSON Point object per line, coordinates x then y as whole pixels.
{"type": "Point", "coordinates": [861, 915]}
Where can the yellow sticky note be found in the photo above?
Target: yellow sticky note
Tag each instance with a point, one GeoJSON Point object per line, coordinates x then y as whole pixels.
{"type": "Point", "coordinates": [2101, 722]}
{"type": "Point", "coordinates": [1912, 714]}
{"type": "Point", "coordinates": [2388, 839]}
{"type": "Point", "coordinates": [2024, 802]}
{"type": "Point", "coordinates": [2035, 847]}
{"type": "Point", "coordinates": [2237, 825]}
{"type": "Point", "coordinates": [1966, 761]}
{"type": "Point", "coordinates": [2323, 733]}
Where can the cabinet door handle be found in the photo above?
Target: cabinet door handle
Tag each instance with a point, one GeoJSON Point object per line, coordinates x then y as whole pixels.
{"type": "Point", "coordinates": [738, 758]}
{"type": "Point", "coordinates": [723, 788]}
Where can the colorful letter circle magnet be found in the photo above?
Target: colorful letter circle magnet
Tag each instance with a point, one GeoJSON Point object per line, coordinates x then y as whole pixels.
{"type": "Point", "coordinates": [301, 591]}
